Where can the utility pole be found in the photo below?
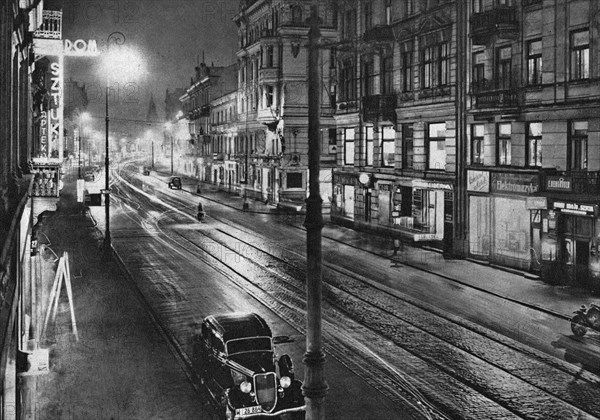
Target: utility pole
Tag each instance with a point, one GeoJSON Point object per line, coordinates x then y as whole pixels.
{"type": "Point", "coordinates": [315, 388]}
{"type": "Point", "coordinates": [171, 154]}
{"type": "Point", "coordinates": [152, 154]}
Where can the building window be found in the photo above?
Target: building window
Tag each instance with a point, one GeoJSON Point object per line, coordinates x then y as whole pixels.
{"type": "Point", "coordinates": [478, 72]}
{"type": "Point", "coordinates": [504, 146]}
{"type": "Point", "coordinates": [534, 62]}
{"type": "Point", "coordinates": [443, 65]}
{"type": "Point", "coordinates": [368, 76]}
{"type": "Point", "coordinates": [409, 7]}
{"type": "Point", "coordinates": [297, 14]}
{"type": "Point", "coordinates": [580, 55]}
{"type": "Point", "coordinates": [368, 15]}
{"type": "Point", "coordinates": [294, 180]}
{"type": "Point", "coordinates": [269, 95]}
{"type": "Point", "coordinates": [428, 74]}
{"type": "Point", "coordinates": [578, 140]}
{"type": "Point", "coordinates": [477, 6]}
{"type": "Point", "coordinates": [436, 146]}
{"type": "Point", "coordinates": [407, 146]}
{"type": "Point", "coordinates": [348, 82]}
{"type": "Point", "coordinates": [534, 144]}
{"type": "Point", "coordinates": [477, 144]}
{"type": "Point", "coordinates": [387, 86]}
{"type": "Point", "coordinates": [350, 24]}
{"type": "Point", "coordinates": [270, 56]}
{"type": "Point", "coordinates": [388, 12]}
{"type": "Point", "coordinates": [369, 146]}
{"type": "Point", "coordinates": [407, 81]}
{"type": "Point", "coordinates": [435, 66]}
{"type": "Point", "coordinates": [388, 145]}
{"type": "Point", "coordinates": [349, 146]}
{"type": "Point", "coordinates": [503, 68]}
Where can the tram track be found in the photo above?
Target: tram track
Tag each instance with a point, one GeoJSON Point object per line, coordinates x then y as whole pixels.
{"type": "Point", "coordinates": [346, 298]}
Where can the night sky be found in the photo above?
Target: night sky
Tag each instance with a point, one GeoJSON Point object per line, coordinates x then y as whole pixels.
{"type": "Point", "coordinates": [171, 36]}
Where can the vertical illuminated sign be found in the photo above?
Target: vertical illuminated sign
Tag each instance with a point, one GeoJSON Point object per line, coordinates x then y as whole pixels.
{"type": "Point", "coordinates": [56, 137]}
{"type": "Point", "coordinates": [43, 152]}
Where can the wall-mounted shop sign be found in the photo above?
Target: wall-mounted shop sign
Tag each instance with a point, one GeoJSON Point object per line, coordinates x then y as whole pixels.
{"type": "Point", "coordinates": [478, 181]}
{"type": "Point", "coordinates": [574, 208]}
{"type": "Point", "coordinates": [431, 185]}
{"type": "Point", "coordinates": [536, 203]}
{"type": "Point", "coordinates": [559, 183]}
{"type": "Point", "coordinates": [514, 183]}
{"type": "Point", "coordinates": [345, 179]}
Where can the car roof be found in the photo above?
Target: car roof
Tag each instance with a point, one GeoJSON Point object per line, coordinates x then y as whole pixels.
{"type": "Point", "coordinates": [238, 325]}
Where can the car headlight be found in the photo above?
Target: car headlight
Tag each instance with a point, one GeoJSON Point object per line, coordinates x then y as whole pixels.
{"type": "Point", "coordinates": [246, 387]}
{"type": "Point", "coordinates": [285, 381]}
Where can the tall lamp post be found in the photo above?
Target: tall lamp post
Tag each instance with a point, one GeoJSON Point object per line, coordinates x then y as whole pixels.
{"type": "Point", "coordinates": [168, 127]}
{"type": "Point", "coordinates": [314, 388]}
{"type": "Point", "coordinates": [116, 63]}
{"type": "Point", "coordinates": [84, 116]}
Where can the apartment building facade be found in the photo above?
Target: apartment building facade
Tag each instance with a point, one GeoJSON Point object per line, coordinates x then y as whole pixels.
{"type": "Point", "coordinates": [533, 137]}
{"type": "Point", "coordinates": [208, 83]}
{"type": "Point", "coordinates": [273, 100]}
{"type": "Point", "coordinates": [396, 118]}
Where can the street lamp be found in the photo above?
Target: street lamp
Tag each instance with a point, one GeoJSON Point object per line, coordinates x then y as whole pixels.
{"type": "Point", "coordinates": [168, 126]}
{"type": "Point", "coordinates": [117, 63]}
{"type": "Point", "coordinates": [84, 116]}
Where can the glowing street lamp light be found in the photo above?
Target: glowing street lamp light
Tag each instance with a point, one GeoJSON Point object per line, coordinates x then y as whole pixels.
{"type": "Point", "coordinates": [117, 63]}
{"type": "Point", "coordinates": [83, 117]}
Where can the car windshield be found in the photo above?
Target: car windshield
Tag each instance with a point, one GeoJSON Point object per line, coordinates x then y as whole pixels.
{"type": "Point", "coordinates": [244, 345]}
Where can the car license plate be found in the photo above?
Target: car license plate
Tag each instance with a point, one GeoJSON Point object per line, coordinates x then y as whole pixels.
{"type": "Point", "coordinates": [245, 411]}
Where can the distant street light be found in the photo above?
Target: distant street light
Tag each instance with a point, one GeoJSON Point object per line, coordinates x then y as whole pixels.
{"type": "Point", "coordinates": [84, 116]}
{"type": "Point", "coordinates": [117, 63]}
{"type": "Point", "coordinates": [168, 127]}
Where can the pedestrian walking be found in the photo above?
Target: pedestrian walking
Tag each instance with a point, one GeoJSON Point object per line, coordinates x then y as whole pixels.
{"type": "Point", "coordinates": [396, 246]}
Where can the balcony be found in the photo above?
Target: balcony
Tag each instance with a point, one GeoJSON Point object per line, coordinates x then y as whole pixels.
{"type": "Point", "coordinates": [500, 22]}
{"type": "Point", "coordinates": [268, 75]}
{"type": "Point", "coordinates": [379, 107]}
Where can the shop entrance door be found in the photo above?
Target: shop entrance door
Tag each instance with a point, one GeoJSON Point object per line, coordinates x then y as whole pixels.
{"type": "Point", "coordinates": [582, 259]}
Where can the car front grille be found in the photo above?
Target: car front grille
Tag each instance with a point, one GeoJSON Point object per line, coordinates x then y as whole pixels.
{"type": "Point", "coordinates": [265, 386]}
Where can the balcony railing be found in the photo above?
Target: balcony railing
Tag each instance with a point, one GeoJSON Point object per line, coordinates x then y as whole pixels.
{"type": "Point", "coordinates": [51, 27]}
{"type": "Point", "coordinates": [379, 107]}
{"type": "Point", "coordinates": [500, 22]}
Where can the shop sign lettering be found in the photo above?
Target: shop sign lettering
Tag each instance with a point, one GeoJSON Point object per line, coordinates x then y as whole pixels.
{"type": "Point", "coordinates": [80, 48]}
{"type": "Point", "coordinates": [514, 183]}
{"type": "Point", "coordinates": [427, 185]}
{"type": "Point", "coordinates": [478, 181]}
{"type": "Point", "coordinates": [559, 183]}
{"type": "Point", "coordinates": [56, 105]}
{"type": "Point", "coordinates": [43, 152]}
{"type": "Point", "coordinates": [574, 208]}
{"type": "Point", "coordinates": [345, 179]}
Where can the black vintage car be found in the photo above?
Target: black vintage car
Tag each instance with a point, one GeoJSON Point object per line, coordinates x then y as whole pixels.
{"type": "Point", "coordinates": [175, 183]}
{"type": "Point", "coordinates": [238, 366]}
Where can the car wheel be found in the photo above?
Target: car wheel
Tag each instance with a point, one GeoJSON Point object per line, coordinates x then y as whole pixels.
{"type": "Point", "coordinates": [577, 326]}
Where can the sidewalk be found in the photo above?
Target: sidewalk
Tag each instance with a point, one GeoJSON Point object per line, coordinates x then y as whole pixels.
{"type": "Point", "coordinates": [508, 283]}
{"type": "Point", "coordinates": [121, 367]}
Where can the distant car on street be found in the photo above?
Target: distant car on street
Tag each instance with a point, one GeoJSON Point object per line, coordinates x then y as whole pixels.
{"type": "Point", "coordinates": [237, 364]}
{"type": "Point", "coordinates": [175, 183]}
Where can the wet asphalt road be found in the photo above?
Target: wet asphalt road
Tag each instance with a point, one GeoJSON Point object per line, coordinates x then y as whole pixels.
{"type": "Point", "coordinates": [419, 336]}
